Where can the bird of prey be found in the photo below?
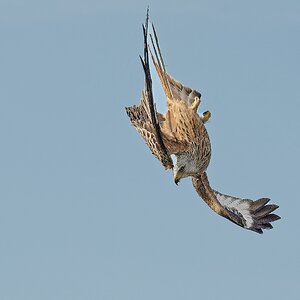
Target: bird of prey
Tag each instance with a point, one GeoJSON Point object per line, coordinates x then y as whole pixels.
{"type": "Point", "coordinates": [181, 131]}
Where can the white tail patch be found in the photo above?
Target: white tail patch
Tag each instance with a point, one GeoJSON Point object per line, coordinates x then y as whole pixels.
{"type": "Point", "coordinates": [237, 206]}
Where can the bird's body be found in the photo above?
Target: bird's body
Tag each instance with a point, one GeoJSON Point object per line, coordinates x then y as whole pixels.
{"type": "Point", "coordinates": [185, 135]}
{"type": "Point", "coordinates": [181, 131]}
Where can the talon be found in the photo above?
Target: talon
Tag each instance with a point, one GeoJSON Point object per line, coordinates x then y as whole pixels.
{"type": "Point", "coordinates": [196, 103]}
{"type": "Point", "coordinates": [206, 115]}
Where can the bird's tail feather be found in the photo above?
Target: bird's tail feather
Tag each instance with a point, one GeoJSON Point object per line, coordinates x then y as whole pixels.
{"type": "Point", "coordinates": [253, 215]}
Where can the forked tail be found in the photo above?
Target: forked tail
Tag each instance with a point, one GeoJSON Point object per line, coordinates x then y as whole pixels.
{"type": "Point", "coordinates": [253, 215]}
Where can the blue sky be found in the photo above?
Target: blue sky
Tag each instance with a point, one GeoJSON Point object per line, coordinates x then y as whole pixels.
{"type": "Point", "coordinates": [86, 211]}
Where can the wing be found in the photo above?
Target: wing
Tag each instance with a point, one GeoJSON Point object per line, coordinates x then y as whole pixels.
{"type": "Point", "coordinates": [144, 116]}
{"type": "Point", "coordinates": [253, 215]}
{"type": "Point", "coordinates": [174, 90]}
{"type": "Point", "coordinates": [182, 125]}
{"type": "Point", "coordinates": [140, 118]}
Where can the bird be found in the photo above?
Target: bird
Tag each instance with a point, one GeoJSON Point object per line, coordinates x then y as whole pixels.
{"type": "Point", "coordinates": [181, 132]}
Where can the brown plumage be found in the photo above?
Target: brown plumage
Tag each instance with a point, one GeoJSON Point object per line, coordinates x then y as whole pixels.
{"type": "Point", "coordinates": [181, 131]}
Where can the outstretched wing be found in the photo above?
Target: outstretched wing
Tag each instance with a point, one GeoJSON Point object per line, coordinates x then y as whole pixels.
{"type": "Point", "coordinates": [253, 215]}
{"type": "Point", "coordinates": [173, 89]}
{"type": "Point", "coordinates": [144, 116]}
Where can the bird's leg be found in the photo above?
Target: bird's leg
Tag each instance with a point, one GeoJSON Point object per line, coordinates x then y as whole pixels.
{"type": "Point", "coordinates": [206, 115]}
{"type": "Point", "coordinates": [196, 103]}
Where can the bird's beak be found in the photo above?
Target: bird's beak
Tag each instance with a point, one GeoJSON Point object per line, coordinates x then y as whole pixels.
{"type": "Point", "coordinates": [176, 180]}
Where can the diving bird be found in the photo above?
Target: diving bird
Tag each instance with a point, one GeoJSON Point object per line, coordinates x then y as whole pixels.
{"type": "Point", "coordinates": [181, 131]}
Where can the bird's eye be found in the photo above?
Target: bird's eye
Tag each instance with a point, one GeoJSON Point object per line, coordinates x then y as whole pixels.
{"type": "Point", "coordinates": [182, 169]}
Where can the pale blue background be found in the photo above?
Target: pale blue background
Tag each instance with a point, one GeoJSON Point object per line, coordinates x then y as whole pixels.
{"type": "Point", "coordinates": [86, 212]}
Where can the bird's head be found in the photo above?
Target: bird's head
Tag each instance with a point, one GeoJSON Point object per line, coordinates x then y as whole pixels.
{"type": "Point", "coordinates": [184, 167]}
